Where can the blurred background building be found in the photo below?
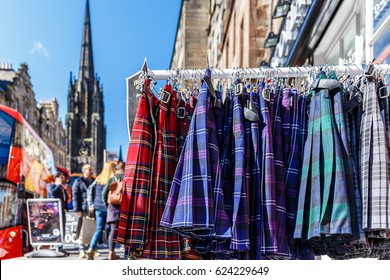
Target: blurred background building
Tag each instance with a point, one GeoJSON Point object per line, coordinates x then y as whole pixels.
{"type": "Point", "coordinates": [229, 33]}
{"type": "Point", "coordinates": [222, 34]}
{"type": "Point", "coordinates": [16, 91]}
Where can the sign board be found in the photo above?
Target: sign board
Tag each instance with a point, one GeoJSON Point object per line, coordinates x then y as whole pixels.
{"type": "Point", "coordinates": [45, 221]}
{"type": "Point", "coordinates": [70, 230]}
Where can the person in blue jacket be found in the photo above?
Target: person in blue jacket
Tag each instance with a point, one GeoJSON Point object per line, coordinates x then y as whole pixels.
{"type": "Point", "coordinates": [79, 198]}
{"type": "Point", "coordinates": [57, 190]}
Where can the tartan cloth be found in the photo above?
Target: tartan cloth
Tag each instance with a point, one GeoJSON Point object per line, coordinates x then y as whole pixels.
{"type": "Point", "coordinates": [293, 171]}
{"type": "Point", "coordinates": [286, 123]}
{"type": "Point", "coordinates": [132, 230]}
{"type": "Point", "coordinates": [268, 184]}
{"type": "Point", "coordinates": [278, 149]}
{"type": "Point", "coordinates": [248, 175]}
{"type": "Point", "coordinates": [374, 163]}
{"type": "Point", "coordinates": [180, 126]}
{"type": "Point", "coordinates": [385, 113]}
{"type": "Point", "coordinates": [195, 204]}
{"type": "Point", "coordinates": [226, 159]}
{"type": "Point", "coordinates": [338, 109]}
{"type": "Point", "coordinates": [218, 113]}
{"type": "Point", "coordinates": [323, 203]}
{"type": "Point", "coordinates": [303, 112]}
{"type": "Point", "coordinates": [163, 243]}
{"type": "Point", "coordinates": [240, 215]}
{"type": "Point", "coordinates": [188, 253]}
{"type": "Point", "coordinates": [255, 190]}
{"type": "Point", "coordinates": [351, 122]}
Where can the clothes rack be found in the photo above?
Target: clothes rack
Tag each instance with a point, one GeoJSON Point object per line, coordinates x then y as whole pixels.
{"type": "Point", "coordinates": [134, 81]}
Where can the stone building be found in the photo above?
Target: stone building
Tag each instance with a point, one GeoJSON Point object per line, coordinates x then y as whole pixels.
{"type": "Point", "coordinates": [52, 130]}
{"type": "Point", "coordinates": [85, 118]}
{"type": "Point", "coordinates": [223, 33]}
{"type": "Point", "coordinates": [16, 92]}
{"type": "Point", "coordinates": [334, 32]}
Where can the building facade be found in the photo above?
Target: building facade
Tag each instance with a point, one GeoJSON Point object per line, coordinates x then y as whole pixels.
{"type": "Point", "coordinates": [85, 118]}
{"type": "Point", "coordinates": [334, 32]}
{"type": "Point", "coordinates": [221, 34]}
{"type": "Point", "coordinates": [16, 92]}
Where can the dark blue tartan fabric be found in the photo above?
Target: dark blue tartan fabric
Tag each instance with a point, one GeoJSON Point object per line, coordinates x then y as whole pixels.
{"type": "Point", "coordinates": [226, 160]}
{"type": "Point", "coordinates": [255, 190]}
{"type": "Point", "coordinates": [248, 175]}
{"type": "Point", "coordinates": [353, 139]}
{"type": "Point", "coordinates": [303, 121]}
{"type": "Point", "coordinates": [268, 186]}
{"type": "Point", "coordinates": [240, 219]}
{"type": "Point", "coordinates": [293, 171]}
{"type": "Point", "coordinates": [218, 113]}
{"type": "Point", "coordinates": [195, 204]}
{"type": "Point", "coordinates": [286, 123]}
{"type": "Point", "coordinates": [278, 147]}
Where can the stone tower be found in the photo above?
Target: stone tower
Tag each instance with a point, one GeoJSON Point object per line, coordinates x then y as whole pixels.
{"type": "Point", "coordinates": [85, 119]}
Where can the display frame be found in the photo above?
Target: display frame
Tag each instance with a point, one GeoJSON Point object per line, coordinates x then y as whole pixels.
{"type": "Point", "coordinates": [45, 226]}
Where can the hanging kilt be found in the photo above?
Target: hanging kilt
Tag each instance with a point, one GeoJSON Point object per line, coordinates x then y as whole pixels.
{"type": "Point", "coordinates": [132, 229]}
{"type": "Point", "coordinates": [255, 190]}
{"type": "Point", "coordinates": [374, 163]}
{"type": "Point", "coordinates": [162, 243]}
{"type": "Point", "coordinates": [323, 204]}
{"type": "Point", "coordinates": [278, 145]}
{"type": "Point", "coordinates": [195, 204]}
{"type": "Point", "coordinates": [240, 218]}
{"type": "Point", "coordinates": [268, 183]}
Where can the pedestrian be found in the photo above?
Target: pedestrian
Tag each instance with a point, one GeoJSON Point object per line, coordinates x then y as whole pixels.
{"type": "Point", "coordinates": [96, 204]}
{"type": "Point", "coordinates": [112, 209]}
{"type": "Point", "coordinates": [79, 197]}
{"type": "Point", "coordinates": [57, 190]}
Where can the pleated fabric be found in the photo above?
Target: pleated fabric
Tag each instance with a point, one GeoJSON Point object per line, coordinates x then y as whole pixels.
{"type": "Point", "coordinates": [240, 215]}
{"type": "Point", "coordinates": [255, 202]}
{"type": "Point", "coordinates": [268, 184]}
{"type": "Point", "coordinates": [374, 163]}
{"type": "Point", "coordinates": [162, 243]}
{"type": "Point", "coordinates": [323, 204]}
{"type": "Point", "coordinates": [195, 204]}
{"type": "Point", "coordinates": [132, 226]}
{"type": "Point", "coordinates": [278, 151]}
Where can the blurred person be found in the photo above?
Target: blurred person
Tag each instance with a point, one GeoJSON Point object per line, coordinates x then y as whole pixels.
{"type": "Point", "coordinates": [79, 198]}
{"type": "Point", "coordinates": [58, 190]}
{"type": "Point", "coordinates": [112, 209]}
{"type": "Point", "coordinates": [96, 204]}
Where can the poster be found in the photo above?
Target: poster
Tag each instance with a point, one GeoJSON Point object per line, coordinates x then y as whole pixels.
{"type": "Point", "coordinates": [70, 230]}
{"type": "Point", "coordinates": [45, 221]}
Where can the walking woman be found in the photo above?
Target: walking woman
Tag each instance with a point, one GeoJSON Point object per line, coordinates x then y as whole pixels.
{"type": "Point", "coordinates": [113, 209]}
{"type": "Point", "coordinates": [96, 204]}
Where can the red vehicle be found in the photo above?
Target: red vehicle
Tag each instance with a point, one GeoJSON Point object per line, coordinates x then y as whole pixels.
{"type": "Point", "coordinates": [26, 166]}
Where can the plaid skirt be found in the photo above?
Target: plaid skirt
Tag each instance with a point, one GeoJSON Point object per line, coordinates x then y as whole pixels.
{"type": "Point", "coordinates": [132, 226]}
{"type": "Point", "coordinates": [162, 243]}
{"type": "Point", "coordinates": [323, 204]}
{"type": "Point", "coordinates": [374, 163]}
{"type": "Point", "coordinates": [195, 204]}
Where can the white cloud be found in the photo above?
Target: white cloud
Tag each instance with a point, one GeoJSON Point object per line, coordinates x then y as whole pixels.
{"type": "Point", "coordinates": [40, 49]}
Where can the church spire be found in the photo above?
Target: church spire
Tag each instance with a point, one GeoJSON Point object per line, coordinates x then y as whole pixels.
{"type": "Point", "coordinates": [86, 58]}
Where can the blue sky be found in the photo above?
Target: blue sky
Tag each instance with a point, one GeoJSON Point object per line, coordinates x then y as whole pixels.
{"type": "Point", "coordinates": [46, 34]}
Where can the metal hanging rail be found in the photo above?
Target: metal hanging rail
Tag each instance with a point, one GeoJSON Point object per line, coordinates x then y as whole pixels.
{"type": "Point", "coordinates": [282, 72]}
{"type": "Point", "coordinates": [134, 82]}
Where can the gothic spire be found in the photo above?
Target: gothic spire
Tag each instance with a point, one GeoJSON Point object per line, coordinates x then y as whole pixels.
{"type": "Point", "coordinates": [120, 158]}
{"type": "Point", "coordinates": [86, 58]}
